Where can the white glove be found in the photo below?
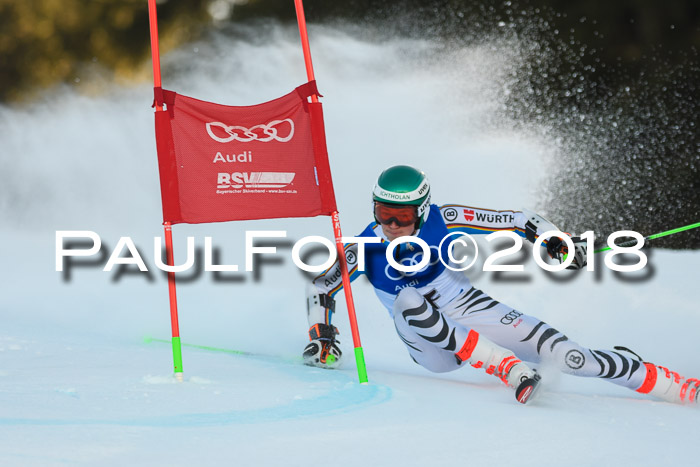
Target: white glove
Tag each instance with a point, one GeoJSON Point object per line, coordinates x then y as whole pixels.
{"type": "Point", "coordinates": [580, 253]}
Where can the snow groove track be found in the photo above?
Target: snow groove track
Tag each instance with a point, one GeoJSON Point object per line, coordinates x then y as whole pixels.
{"type": "Point", "coordinates": [340, 394]}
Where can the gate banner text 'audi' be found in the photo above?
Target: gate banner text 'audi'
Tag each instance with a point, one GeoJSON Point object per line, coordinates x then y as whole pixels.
{"type": "Point", "coordinates": [223, 163]}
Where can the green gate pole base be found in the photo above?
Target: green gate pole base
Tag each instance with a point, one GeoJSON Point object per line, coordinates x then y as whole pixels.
{"type": "Point", "coordinates": [361, 368]}
{"type": "Point", "coordinates": [177, 358]}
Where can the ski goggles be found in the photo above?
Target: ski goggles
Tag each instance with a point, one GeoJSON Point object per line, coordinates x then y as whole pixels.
{"type": "Point", "coordinates": [388, 213]}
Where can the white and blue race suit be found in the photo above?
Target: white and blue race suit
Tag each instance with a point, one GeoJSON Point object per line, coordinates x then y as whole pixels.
{"type": "Point", "coordinates": [434, 331]}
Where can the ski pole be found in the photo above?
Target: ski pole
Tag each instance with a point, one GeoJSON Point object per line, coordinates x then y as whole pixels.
{"type": "Point", "coordinates": [652, 237]}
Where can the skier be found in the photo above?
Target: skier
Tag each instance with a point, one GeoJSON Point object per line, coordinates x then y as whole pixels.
{"type": "Point", "coordinates": [446, 323]}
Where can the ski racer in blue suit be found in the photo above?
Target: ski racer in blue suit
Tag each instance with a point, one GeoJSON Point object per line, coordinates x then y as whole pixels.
{"type": "Point", "coordinates": [444, 321]}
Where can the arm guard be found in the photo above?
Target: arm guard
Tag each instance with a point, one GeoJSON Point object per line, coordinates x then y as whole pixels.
{"type": "Point", "coordinates": [319, 306]}
{"type": "Point", "coordinates": [535, 225]}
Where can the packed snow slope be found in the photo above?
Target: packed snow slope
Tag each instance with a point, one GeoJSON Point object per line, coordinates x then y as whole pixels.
{"type": "Point", "coordinates": [80, 384]}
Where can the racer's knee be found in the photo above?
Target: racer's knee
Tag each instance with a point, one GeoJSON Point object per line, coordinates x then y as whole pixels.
{"type": "Point", "coordinates": [424, 332]}
{"type": "Point", "coordinates": [438, 362]}
{"type": "Point", "coordinates": [408, 298]}
{"type": "Point", "coordinates": [569, 357]}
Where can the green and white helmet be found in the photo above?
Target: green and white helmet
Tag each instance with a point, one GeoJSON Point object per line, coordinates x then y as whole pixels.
{"type": "Point", "coordinates": [403, 185]}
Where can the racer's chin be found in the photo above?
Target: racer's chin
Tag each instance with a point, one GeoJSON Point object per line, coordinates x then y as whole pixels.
{"type": "Point", "coordinates": [394, 231]}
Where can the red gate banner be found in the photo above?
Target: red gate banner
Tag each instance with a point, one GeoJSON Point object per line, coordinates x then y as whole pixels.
{"type": "Point", "coordinates": [223, 163]}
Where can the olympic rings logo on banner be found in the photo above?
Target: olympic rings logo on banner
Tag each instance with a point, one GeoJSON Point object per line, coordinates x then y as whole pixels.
{"type": "Point", "coordinates": [254, 133]}
{"type": "Point", "coordinates": [414, 260]}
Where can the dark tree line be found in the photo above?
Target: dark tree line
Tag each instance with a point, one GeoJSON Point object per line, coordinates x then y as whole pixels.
{"type": "Point", "coordinates": [619, 78]}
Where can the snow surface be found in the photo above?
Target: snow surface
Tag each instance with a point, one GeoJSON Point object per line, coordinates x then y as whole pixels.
{"type": "Point", "coordinates": [79, 385]}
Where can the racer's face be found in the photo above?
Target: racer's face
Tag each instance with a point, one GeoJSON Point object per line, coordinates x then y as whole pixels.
{"type": "Point", "coordinates": [396, 221]}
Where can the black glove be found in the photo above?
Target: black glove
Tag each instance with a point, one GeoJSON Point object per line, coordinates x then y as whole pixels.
{"type": "Point", "coordinates": [323, 350]}
{"type": "Point", "coordinates": [557, 249]}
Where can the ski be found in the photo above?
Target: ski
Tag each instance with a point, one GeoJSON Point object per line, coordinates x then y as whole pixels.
{"type": "Point", "coordinates": [527, 389]}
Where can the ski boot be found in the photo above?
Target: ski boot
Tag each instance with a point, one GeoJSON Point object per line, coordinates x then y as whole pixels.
{"type": "Point", "coordinates": [670, 386]}
{"type": "Point", "coordinates": [479, 352]}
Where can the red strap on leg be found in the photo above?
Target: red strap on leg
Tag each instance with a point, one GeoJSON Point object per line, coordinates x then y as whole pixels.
{"type": "Point", "coordinates": [468, 347]}
{"type": "Point", "coordinates": [650, 380]}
